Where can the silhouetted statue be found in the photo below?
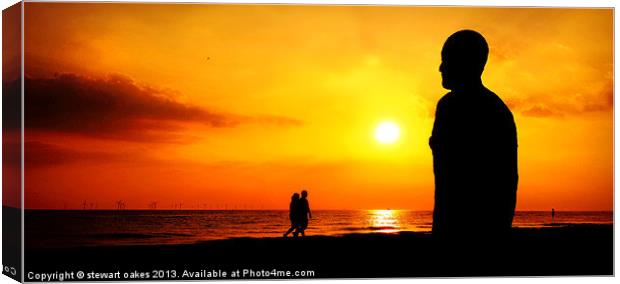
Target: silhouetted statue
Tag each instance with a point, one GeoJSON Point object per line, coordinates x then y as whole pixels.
{"type": "Point", "coordinates": [304, 213]}
{"type": "Point", "coordinates": [474, 143]}
{"type": "Point", "coordinates": [293, 209]}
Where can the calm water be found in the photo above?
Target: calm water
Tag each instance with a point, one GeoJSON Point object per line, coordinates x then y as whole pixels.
{"type": "Point", "coordinates": [78, 228]}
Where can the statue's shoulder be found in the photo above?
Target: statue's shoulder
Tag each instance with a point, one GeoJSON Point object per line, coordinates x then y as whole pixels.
{"type": "Point", "coordinates": [499, 105]}
{"type": "Point", "coordinates": [446, 100]}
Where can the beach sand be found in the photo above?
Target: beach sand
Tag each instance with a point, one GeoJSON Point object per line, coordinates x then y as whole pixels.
{"type": "Point", "coordinates": [584, 249]}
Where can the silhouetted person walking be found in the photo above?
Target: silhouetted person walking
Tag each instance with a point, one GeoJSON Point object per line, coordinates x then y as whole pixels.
{"type": "Point", "coordinates": [304, 212]}
{"type": "Point", "coordinates": [474, 144]}
{"type": "Point", "coordinates": [293, 209]}
{"type": "Point", "coordinates": [552, 215]}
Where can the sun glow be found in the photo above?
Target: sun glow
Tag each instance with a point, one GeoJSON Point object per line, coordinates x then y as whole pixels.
{"type": "Point", "coordinates": [387, 132]}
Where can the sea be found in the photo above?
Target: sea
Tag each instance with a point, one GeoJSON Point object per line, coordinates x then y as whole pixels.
{"type": "Point", "coordinates": [74, 228]}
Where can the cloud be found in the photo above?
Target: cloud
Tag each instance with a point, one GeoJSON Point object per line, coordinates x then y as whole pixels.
{"type": "Point", "coordinates": [276, 120]}
{"type": "Point", "coordinates": [116, 107]}
{"type": "Point", "coordinates": [39, 154]}
{"type": "Point", "coordinates": [574, 104]}
{"type": "Point", "coordinates": [540, 111]}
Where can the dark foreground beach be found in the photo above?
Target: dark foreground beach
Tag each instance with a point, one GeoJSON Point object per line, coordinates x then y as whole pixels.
{"type": "Point", "coordinates": [585, 249]}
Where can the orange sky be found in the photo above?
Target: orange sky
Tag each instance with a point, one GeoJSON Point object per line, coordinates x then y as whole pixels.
{"type": "Point", "coordinates": [239, 105]}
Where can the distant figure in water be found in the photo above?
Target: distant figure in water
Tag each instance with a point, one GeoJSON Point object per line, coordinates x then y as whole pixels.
{"type": "Point", "coordinates": [552, 215]}
{"type": "Point", "coordinates": [474, 145]}
{"type": "Point", "coordinates": [293, 215]}
{"type": "Point", "coordinates": [304, 213]}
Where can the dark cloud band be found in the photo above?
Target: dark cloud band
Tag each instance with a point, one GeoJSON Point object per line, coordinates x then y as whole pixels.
{"type": "Point", "coordinates": [116, 107]}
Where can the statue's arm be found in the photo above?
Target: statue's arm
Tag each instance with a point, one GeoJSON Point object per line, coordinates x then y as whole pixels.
{"type": "Point", "coordinates": [438, 126]}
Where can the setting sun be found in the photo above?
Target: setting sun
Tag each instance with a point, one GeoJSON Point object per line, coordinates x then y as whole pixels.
{"type": "Point", "coordinates": [387, 132]}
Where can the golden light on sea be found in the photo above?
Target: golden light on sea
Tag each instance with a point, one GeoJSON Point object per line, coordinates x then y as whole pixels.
{"type": "Point", "coordinates": [385, 221]}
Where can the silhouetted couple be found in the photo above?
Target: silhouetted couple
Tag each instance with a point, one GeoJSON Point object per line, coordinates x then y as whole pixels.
{"type": "Point", "coordinates": [474, 144]}
{"type": "Point", "coordinates": [299, 214]}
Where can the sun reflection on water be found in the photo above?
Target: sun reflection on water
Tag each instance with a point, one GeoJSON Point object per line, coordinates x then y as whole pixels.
{"type": "Point", "coordinates": [384, 221]}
